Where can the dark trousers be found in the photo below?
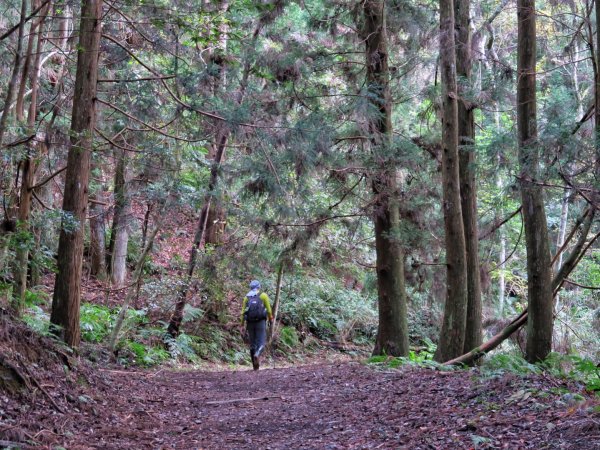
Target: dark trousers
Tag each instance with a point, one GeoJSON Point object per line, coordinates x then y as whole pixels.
{"type": "Point", "coordinates": [257, 333]}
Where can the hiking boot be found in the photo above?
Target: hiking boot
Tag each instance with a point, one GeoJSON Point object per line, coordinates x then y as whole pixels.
{"type": "Point", "coordinates": [255, 362]}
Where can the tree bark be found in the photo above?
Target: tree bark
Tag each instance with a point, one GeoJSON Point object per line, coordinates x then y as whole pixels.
{"type": "Point", "coordinates": [452, 336]}
{"type": "Point", "coordinates": [67, 289]}
{"type": "Point", "coordinates": [97, 237]}
{"type": "Point", "coordinates": [481, 350]}
{"type": "Point", "coordinates": [467, 170]}
{"type": "Point", "coordinates": [276, 303]}
{"type": "Point", "coordinates": [392, 334]}
{"type": "Point", "coordinates": [28, 173]}
{"type": "Point", "coordinates": [177, 316]}
{"type": "Point", "coordinates": [137, 277]}
{"type": "Point", "coordinates": [597, 94]}
{"type": "Point", "coordinates": [20, 103]}
{"type": "Point", "coordinates": [539, 270]}
{"type": "Point", "coordinates": [597, 87]}
{"type": "Point", "coordinates": [217, 215]}
{"type": "Point", "coordinates": [10, 91]}
{"type": "Point", "coordinates": [119, 236]}
{"type": "Point", "coordinates": [569, 265]}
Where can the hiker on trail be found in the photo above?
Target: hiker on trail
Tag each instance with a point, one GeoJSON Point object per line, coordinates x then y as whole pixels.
{"type": "Point", "coordinates": [256, 309]}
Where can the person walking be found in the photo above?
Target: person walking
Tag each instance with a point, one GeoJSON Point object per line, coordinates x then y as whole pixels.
{"type": "Point", "coordinates": [256, 309]}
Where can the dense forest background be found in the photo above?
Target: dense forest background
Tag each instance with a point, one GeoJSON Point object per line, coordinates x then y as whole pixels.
{"type": "Point", "coordinates": [158, 155]}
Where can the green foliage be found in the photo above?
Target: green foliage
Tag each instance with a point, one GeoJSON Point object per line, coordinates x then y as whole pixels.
{"type": "Point", "coordinates": [36, 298]}
{"type": "Point", "coordinates": [182, 347]}
{"type": "Point", "coordinates": [147, 355]}
{"type": "Point", "coordinates": [210, 342]}
{"type": "Point", "coordinates": [420, 358]}
{"type": "Point", "coordinates": [571, 367]}
{"type": "Point", "coordinates": [288, 337]}
{"type": "Point", "coordinates": [328, 310]}
{"type": "Point", "coordinates": [96, 322]}
{"type": "Point", "coordinates": [191, 314]}
{"type": "Point", "coordinates": [500, 363]}
{"type": "Point", "coordinates": [37, 319]}
{"type": "Point", "coordinates": [575, 368]}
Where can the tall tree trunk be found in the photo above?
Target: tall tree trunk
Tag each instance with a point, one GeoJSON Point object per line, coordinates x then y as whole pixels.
{"type": "Point", "coordinates": [67, 289]}
{"type": "Point", "coordinates": [177, 316]}
{"type": "Point", "coordinates": [10, 91]}
{"type": "Point", "coordinates": [137, 275]}
{"type": "Point", "coordinates": [29, 169]}
{"type": "Point", "coordinates": [201, 230]}
{"type": "Point", "coordinates": [42, 232]}
{"type": "Point", "coordinates": [119, 236]}
{"type": "Point", "coordinates": [596, 92]}
{"type": "Point", "coordinates": [97, 236]}
{"type": "Point", "coordinates": [452, 336]}
{"type": "Point", "coordinates": [217, 217]}
{"type": "Point", "coordinates": [392, 334]}
{"type": "Point", "coordinates": [579, 249]}
{"type": "Point", "coordinates": [502, 234]}
{"type": "Point", "coordinates": [276, 303]}
{"type": "Point", "coordinates": [539, 287]}
{"type": "Point", "coordinates": [468, 186]}
{"type": "Point", "coordinates": [20, 103]}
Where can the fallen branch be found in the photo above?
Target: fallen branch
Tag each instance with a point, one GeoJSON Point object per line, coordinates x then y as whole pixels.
{"type": "Point", "coordinates": [241, 400]}
{"type": "Point", "coordinates": [41, 388]}
{"type": "Point", "coordinates": [22, 379]}
{"type": "Point", "coordinates": [488, 346]}
{"type": "Point", "coordinates": [566, 269]}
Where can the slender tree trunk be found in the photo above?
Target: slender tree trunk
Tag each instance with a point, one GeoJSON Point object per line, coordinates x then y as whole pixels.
{"type": "Point", "coordinates": [97, 237]}
{"type": "Point", "coordinates": [28, 173]}
{"type": "Point", "coordinates": [562, 228]}
{"type": "Point", "coordinates": [392, 334]}
{"type": "Point", "coordinates": [217, 217]}
{"type": "Point", "coordinates": [596, 92]}
{"type": "Point", "coordinates": [276, 302]}
{"type": "Point", "coordinates": [452, 337]}
{"type": "Point", "coordinates": [67, 289]}
{"type": "Point", "coordinates": [468, 185]}
{"type": "Point", "coordinates": [177, 316]}
{"type": "Point", "coordinates": [20, 103]}
{"type": "Point", "coordinates": [10, 91]}
{"type": "Point", "coordinates": [522, 319]}
{"type": "Point", "coordinates": [137, 277]}
{"type": "Point", "coordinates": [42, 232]}
{"type": "Point", "coordinates": [500, 212]}
{"type": "Point", "coordinates": [119, 236]}
{"type": "Point", "coordinates": [576, 252]}
{"type": "Point", "coordinates": [24, 241]}
{"type": "Point", "coordinates": [540, 321]}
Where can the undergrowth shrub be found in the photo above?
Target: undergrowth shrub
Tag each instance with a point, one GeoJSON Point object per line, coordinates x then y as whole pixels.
{"type": "Point", "coordinates": [420, 358]}
{"type": "Point", "coordinates": [571, 367]}
{"type": "Point", "coordinates": [34, 315]}
{"type": "Point", "coordinates": [288, 337]}
{"type": "Point", "coordinates": [96, 322]}
{"type": "Point", "coordinates": [329, 311]}
{"type": "Point", "coordinates": [145, 355]}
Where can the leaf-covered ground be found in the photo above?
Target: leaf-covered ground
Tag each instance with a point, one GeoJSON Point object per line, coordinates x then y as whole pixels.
{"type": "Point", "coordinates": [325, 406]}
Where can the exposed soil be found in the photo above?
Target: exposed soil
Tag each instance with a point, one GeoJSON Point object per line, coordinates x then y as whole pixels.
{"type": "Point", "coordinates": [325, 406]}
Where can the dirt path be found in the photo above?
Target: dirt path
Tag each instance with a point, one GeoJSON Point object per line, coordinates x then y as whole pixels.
{"type": "Point", "coordinates": [340, 406]}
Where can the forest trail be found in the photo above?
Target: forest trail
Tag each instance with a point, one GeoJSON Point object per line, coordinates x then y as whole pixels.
{"type": "Point", "coordinates": [332, 406]}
